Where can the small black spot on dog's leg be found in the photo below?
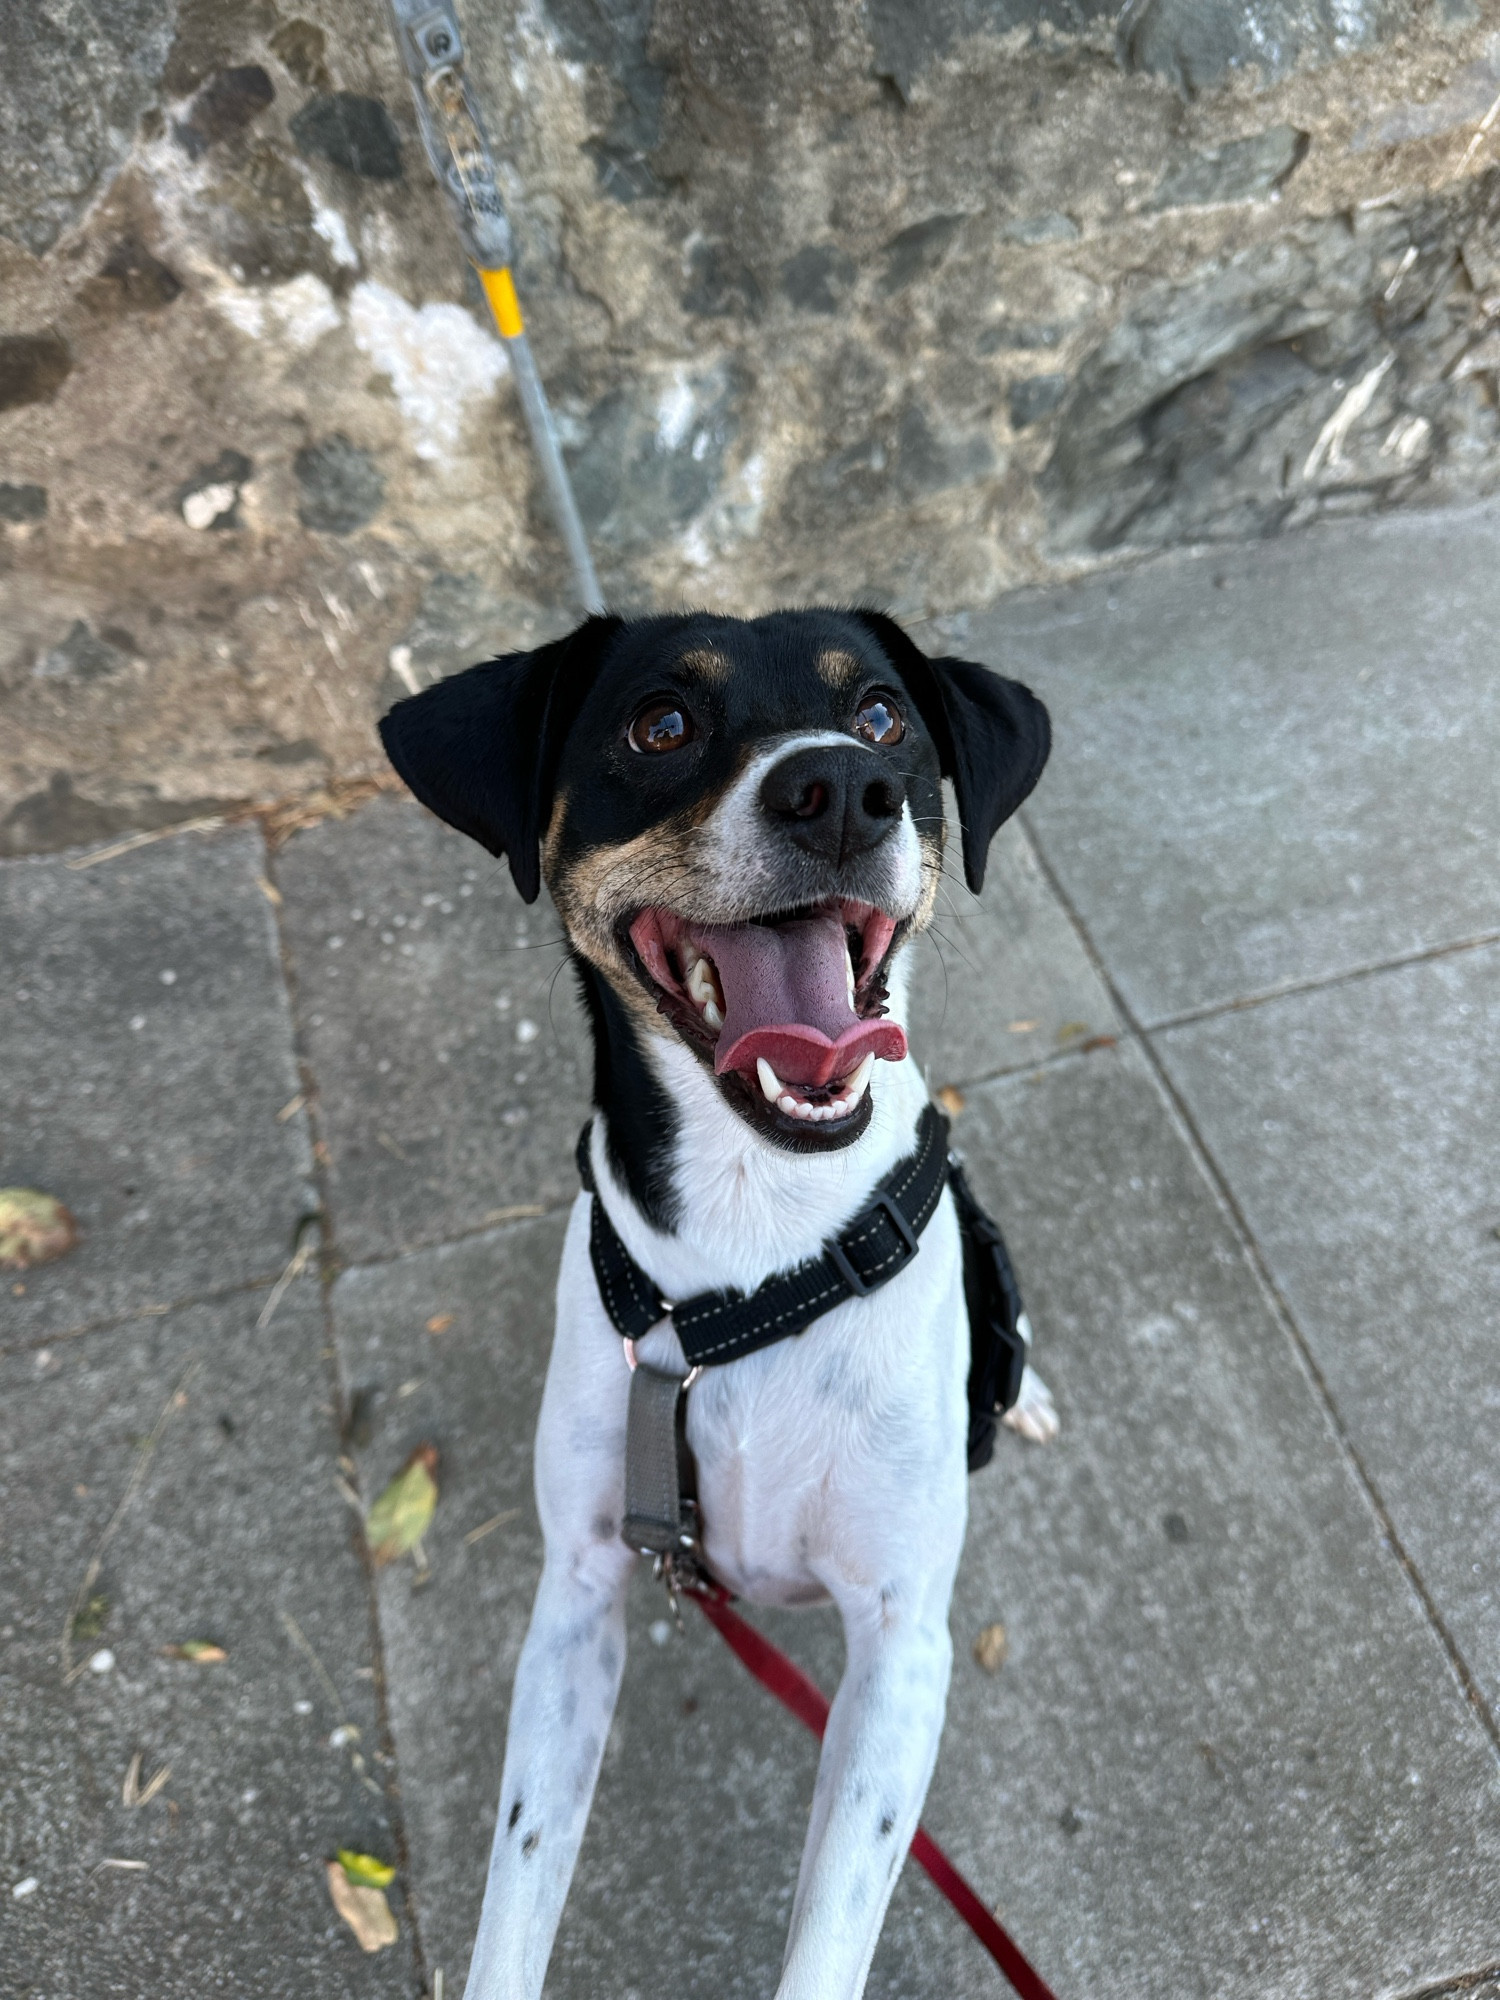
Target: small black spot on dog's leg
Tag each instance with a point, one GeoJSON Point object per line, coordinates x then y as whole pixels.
{"type": "Point", "coordinates": [515, 1814]}
{"type": "Point", "coordinates": [529, 1844]}
{"type": "Point", "coordinates": [887, 1826]}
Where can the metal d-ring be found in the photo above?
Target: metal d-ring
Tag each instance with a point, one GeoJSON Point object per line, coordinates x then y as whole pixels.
{"type": "Point", "coordinates": [687, 1381]}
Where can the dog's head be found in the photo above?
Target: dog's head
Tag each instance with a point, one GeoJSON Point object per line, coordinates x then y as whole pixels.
{"type": "Point", "coordinates": [740, 821]}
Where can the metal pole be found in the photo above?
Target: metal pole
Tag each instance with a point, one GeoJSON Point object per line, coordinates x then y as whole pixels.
{"type": "Point", "coordinates": [448, 117]}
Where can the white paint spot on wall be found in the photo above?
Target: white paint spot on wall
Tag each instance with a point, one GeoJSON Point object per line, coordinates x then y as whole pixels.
{"type": "Point", "coordinates": [674, 413]}
{"type": "Point", "coordinates": [203, 508]}
{"type": "Point", "coordinates": [299, 312]}
{"type": "Point", "coordinates": [331, 226]}
{"type": "Point", "coordinates": [437, 359]}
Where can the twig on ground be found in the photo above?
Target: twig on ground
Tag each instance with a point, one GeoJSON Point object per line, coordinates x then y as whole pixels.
{"type": "Point", "coordinates": [488, 1527]}
{"type": "Point", "coordinates": [133, 1486]}
{"type": "Point", "coordinates": [135, 840]}
{"type": "Point", "coordinates": [297, 1263]}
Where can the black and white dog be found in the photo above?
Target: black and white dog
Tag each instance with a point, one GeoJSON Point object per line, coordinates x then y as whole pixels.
{"type": "Point", "coordinates": [741, 825]}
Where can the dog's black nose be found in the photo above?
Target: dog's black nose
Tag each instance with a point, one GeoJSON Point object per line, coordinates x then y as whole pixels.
{"type": "Point", "coordinates": [833, 801]}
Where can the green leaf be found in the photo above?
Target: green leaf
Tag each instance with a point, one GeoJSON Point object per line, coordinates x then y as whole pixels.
{"type": "Point", "coordinates": [365, 1870]}
{"type": "Point", "coordinates": [403, 1513]}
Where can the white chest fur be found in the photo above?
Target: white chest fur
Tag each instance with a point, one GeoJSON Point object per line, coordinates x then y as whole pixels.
{"type": "Point", "coordinates": [841, 1449]}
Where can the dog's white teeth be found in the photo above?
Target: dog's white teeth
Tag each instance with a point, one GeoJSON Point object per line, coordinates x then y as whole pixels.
{"type": "Point", "coordinates": [700, 982]}
{"type": "Point", "coordinates": [770, 1084]}
{"type": "Point", "coordinates": [712, 1018]}
{"type": "Point", "coordinates": [849, 971]}
{"type": "Point", "coordinates": [858, 1083]}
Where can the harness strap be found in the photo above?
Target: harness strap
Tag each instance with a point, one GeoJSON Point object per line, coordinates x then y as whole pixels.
{"type": "Point", "coordinates": [655, 1521]}
{"type": "Point", "coordinates": [716, 1327]}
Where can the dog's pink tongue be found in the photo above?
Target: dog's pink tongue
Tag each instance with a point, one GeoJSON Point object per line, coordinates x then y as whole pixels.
{"type": "Point", "coordinates": [786, 998]}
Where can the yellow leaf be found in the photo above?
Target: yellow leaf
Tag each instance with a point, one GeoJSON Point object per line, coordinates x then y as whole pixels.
{"type": "Point", "coordinates": [198, 1652]}
{"type": "Point", "coordinates": [401, 1516]}
{"type": "Point", "coordinates": [34, 1228]}
{"type": "Point", "coordinates": [365, 1870]}
{"type": "Point", "coordinates": [363, 1909]}
{"type": "Point", "coordinates": [951, 1099]}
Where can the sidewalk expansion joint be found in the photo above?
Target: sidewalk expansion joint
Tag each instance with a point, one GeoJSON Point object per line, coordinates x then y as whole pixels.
{"type": "Point", "coordinates": [339, 1400]}
{"type": "Point", "coordinates": [1276, 1299]}
{"type": "Point", "coordinates": [1455, 1986]}
{"type": "Point", "coordinates": [1319, 983]}
{"type": "Point", "coordinates": [107, 1322]}
{"type": "Point", "coordinates": [523, 1214]}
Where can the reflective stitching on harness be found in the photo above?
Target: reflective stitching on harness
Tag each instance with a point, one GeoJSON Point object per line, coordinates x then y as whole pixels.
{"type": "Point", "coordinates": [615, 1270]}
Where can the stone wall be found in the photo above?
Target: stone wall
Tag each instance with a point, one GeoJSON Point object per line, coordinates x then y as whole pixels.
{"type": "Point", "coordinates": [908, 300]}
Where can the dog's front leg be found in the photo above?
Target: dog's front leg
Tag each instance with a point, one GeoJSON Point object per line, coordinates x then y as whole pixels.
{"type": "Point", "coordinates": [567, 1681]}
{"type": "Point", "coordinates": [878, 1753]}
{"type": "Point", "coordinates": [568, 1675]}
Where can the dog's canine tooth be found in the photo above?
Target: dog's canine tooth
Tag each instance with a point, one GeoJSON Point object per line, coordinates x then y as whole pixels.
{"type": "Point", "coordinates": [770, 1082]}
{"type": "Point", "coordinates": [849, 970]}
{"type": "Point", "coordinates": [712, 1018]}
{"type": "Point", "coordinates": [855, 1088]}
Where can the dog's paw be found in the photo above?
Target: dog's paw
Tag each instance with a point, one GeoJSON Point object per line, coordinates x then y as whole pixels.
{"type": "Point", "coordinates": [1034, 1414]}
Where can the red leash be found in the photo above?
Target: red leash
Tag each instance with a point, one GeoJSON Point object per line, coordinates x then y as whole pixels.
{"type": "Point", "coordinates": [806, 1700]}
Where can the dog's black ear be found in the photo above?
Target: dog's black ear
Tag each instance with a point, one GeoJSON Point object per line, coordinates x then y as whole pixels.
{"type": "Point", "coordinates": [480, 749]}
{"type": "Point", "coordinates": [992, 735]}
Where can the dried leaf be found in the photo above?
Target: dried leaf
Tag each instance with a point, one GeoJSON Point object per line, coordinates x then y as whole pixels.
{"type": "Point", "coordinates": [363, 1909]}
{"type": "Point", "coordinates": [198, 1652]}
{"type": "Point", "coordinates": [440, 1322]}
{"type": "Point", "coordinates": [951, 1099]}
{"type": "Point", "coordinates": [403, 1513]}
{"type": "Point", "coordinates": [34, 1228]}
{"type": "Point", "coordinates": [991, 1647]}
{"type": "Point", "coordinates": [365, 1869]}
{"type": "Point", "coordinates": [91, 1620]}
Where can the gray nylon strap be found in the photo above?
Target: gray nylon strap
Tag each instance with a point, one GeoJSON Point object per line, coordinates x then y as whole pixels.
{"type": "Point", "coordinates": [653, 1498]}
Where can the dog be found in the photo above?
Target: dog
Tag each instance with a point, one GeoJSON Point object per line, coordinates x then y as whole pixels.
{"type": "Point", "coordinates": [741, 825]}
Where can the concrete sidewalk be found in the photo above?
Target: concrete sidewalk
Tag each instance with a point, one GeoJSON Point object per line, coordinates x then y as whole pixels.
{"type": "Point", "coordinates": [1225, 1026]}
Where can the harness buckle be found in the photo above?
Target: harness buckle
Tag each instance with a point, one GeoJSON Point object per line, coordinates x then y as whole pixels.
{"type": "Point", "coordinates": [859, 1285]}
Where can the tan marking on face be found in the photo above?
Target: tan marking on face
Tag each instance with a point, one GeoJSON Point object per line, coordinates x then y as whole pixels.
{"type": "Point", "coordinates": [705, 663]}
{"type": "Point", "coordinates": [595, 891]}
{"type": "Point", "coordinates": [838, 668]}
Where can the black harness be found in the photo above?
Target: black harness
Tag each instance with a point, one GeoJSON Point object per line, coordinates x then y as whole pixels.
{"type": "Point", "coordinates": [717, 1327]}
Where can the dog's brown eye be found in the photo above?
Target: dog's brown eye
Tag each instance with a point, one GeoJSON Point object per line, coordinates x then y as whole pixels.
{"type": "Point", "coordinates": [879, 720]}
{"type": "Point", "coordinates": [662, 724]}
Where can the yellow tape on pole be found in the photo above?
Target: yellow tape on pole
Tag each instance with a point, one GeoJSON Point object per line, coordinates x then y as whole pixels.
{"type": "Point", "coordinates": [500, 290]}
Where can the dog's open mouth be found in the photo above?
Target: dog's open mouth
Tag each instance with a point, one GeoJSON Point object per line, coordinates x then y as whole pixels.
{"type": "Point", "coordinates": [789, 1006]}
